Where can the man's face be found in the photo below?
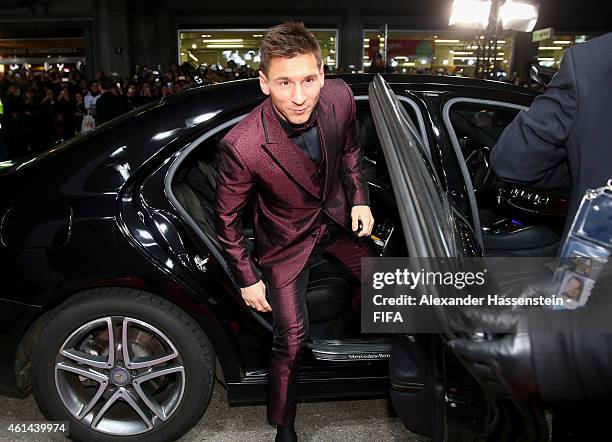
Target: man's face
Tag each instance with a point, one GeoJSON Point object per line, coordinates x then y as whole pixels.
{"type": "Point", "coordinates": [573, 289]}
{"type": "Point", "coordinates": [294, 85]}
{"type": "Point", "coordinates": [94, 88]}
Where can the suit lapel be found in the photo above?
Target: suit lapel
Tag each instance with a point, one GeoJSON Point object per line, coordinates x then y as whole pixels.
{"type": "Point", "coordinates": [290, 157]}
{"type": "Point", "coordinates": [328, 130]}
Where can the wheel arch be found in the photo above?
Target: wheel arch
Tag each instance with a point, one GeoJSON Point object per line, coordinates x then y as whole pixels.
{"type": "Point", "coordinates": [226, 351]}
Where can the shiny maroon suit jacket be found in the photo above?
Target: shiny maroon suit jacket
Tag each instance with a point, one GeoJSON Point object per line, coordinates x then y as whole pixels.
{"type": "Point", "coordinates": [257, 156]}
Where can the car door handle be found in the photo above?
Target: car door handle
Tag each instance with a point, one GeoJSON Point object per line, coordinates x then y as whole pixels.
{"type": "Point", "coordinates": [201, 263]}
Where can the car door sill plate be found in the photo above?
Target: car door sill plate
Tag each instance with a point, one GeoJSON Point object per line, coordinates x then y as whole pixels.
{"type": "Point", "coordinates": [351, 349]}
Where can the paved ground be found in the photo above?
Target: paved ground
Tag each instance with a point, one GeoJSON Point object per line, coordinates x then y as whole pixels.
{"type": "Point", "coordinates": [363, 420]}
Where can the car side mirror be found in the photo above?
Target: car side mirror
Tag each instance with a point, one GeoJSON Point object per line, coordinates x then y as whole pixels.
{"type": "Point", "coordinates": [541, 75]}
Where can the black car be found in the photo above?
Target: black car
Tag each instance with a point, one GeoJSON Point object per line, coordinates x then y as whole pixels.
{"type": "Point", "coordinates": [117, 307]}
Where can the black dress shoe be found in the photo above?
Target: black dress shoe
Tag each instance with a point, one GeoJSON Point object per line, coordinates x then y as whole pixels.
{"type": "Point", "coordinates": [285, 434]}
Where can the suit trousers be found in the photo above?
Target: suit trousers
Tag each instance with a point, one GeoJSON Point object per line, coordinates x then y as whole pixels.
{"type": "Point", "coordinates": [290, 314]}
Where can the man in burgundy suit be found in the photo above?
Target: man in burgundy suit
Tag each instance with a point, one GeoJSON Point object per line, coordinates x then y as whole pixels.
{"type": "Point", "coordinates": [298, 152]}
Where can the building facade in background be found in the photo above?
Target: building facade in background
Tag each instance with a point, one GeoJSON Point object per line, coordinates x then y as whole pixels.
{"type": "Point", "coordinates": [115, 35]}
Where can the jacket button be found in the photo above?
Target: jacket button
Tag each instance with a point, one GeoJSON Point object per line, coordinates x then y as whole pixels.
{"type": "Point", "coordinates": [313, 234]}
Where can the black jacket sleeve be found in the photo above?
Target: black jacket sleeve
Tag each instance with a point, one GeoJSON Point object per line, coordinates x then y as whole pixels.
{"type": "Point", "coordinates": [532, 148]}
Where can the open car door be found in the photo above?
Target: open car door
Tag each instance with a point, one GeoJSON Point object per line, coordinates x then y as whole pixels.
{"type": "Point", "coordinates": [423, 373]}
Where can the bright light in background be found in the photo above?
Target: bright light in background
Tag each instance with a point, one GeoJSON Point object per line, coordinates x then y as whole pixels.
{"type": "Point", "coordinates": [234, 56]}
{"type": "Point", "coordinates": [224, 40]}
{"type": "Point", "coordinates": [470, 13]}
{"type": "Point", "coordinates": [225, 46]}
{"type": "Point", "coordinates": [193, 46]}
{"type": "Point", "coordinates": [444, 62]}
{"type": "Point", "coordinates": [562, 42]}
{"type": "Point", "coordinates": [423, 61]}
{"type": "Point", "coordinates": [193, 57]}
{"type": "Point", "coordinates": [518, 15]}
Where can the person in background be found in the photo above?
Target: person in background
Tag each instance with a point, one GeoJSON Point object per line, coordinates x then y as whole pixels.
{"type": "Point", "coordinates": [131, 98]}
{"type": "Point", "coordinates": [32, 121]}
{"type": "Point", "coordinates": [92, 97]}
{"type": "Point", "coordinates": [63, 116]}
{"type": "Point", "coordinates": [46, 111]}
{"type": "Point", "coordinates": [79, 111]}
{"type": "Point", "coordinates": [144, 95]}
{"type": "Point", "coordinates": [108, 105]}
{"type": "Point", "coordinates": [378, 65]}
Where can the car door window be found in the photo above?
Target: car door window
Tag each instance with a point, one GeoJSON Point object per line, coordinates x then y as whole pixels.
{"type": "Point", "coordinates": [478, 126]}
{"type": "Point", "coordinates": [424, 206]}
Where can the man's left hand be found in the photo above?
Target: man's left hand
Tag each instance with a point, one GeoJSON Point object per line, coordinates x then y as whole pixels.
{"type": "Point", "coordinates": [363, 214]}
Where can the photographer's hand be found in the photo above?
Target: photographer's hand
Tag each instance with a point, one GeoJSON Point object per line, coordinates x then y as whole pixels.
{"type": "Point", "coordinates": [504, 362]}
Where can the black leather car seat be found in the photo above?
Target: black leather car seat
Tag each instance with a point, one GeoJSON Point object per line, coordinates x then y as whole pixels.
{"type": "Point", "coordinates": [329, 287]}
{"type": "Point", "coordinates": [328, 297]}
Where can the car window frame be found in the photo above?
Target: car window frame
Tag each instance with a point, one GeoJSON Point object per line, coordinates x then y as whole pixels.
{"type": "Point", "coordinates": [458, 153]}
{"type": "Point", "coordinates": [401, 140]}
{"type": "Point", "coordinates": [418, 113]}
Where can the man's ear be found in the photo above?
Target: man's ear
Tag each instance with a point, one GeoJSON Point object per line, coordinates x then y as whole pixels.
{"type": "Point", "coordinates": [321, 75]}
{"type": "Point", "coordinates": [263, 83]}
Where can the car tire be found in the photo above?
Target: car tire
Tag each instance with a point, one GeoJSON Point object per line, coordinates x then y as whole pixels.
{"type": "Point", "coordinates": [155, 329]}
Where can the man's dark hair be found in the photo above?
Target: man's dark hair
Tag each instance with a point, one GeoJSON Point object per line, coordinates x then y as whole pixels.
{"type": "Point", "coordinates": [287, 40]}
{"type": "Point", "coordinates": [106, 83]}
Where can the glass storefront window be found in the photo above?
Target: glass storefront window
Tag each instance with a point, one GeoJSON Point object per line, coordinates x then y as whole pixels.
{"type": "Point", "coordinates": [40, 53]}
{"type": "Point", "coordinates": [550, 52]}
{"type": "Point", "coordinates": [217, 47]}
{"type": "Point", "coordinates": [447, 53]}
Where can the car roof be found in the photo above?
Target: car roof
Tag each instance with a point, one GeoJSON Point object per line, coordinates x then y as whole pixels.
{"type": "Point", "coordinates": [139, 130]}
{"type": "Point", "coordinates": [416, 81]}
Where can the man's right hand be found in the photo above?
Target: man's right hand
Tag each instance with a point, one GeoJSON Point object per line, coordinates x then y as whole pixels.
{"type": "Point", "coordinates": [255, 296]}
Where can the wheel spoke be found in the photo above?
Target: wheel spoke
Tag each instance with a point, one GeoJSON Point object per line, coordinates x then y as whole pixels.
{"type": "Point", "coordinates": [69, 350]}
{"type": "Point", "coordinates": [151, 361]}
{"type": "Point", "coordinates": [111, 342]}
{"type": "Point", "coordinates": [86, 358]}
{"type": "Point", "coordinates": [144, 362]}
{"type": "Point", "coordinates": [149, 401]}
{"type": "Point", "coordinates": [159, 371]}
{"type": "Point", "coordinates": [137, 408]}
{"type": "Point", "coordinates": [100, 414]}
{"type": "Point", "coordinates": [123, 394]}
{"type": "Point", "coordinates": [83, 371]}
{"type": "Point", "coordinates": [86, 408]}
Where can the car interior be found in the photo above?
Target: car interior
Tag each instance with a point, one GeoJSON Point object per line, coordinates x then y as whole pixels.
{"type": "Point", "coordinates": [334, 328]}
{"type": "Point", "coordinates": [515, 220]}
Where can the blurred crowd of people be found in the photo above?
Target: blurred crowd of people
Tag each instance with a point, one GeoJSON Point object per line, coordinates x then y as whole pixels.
{"type": "Point", "coordinates": [41, 108]}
